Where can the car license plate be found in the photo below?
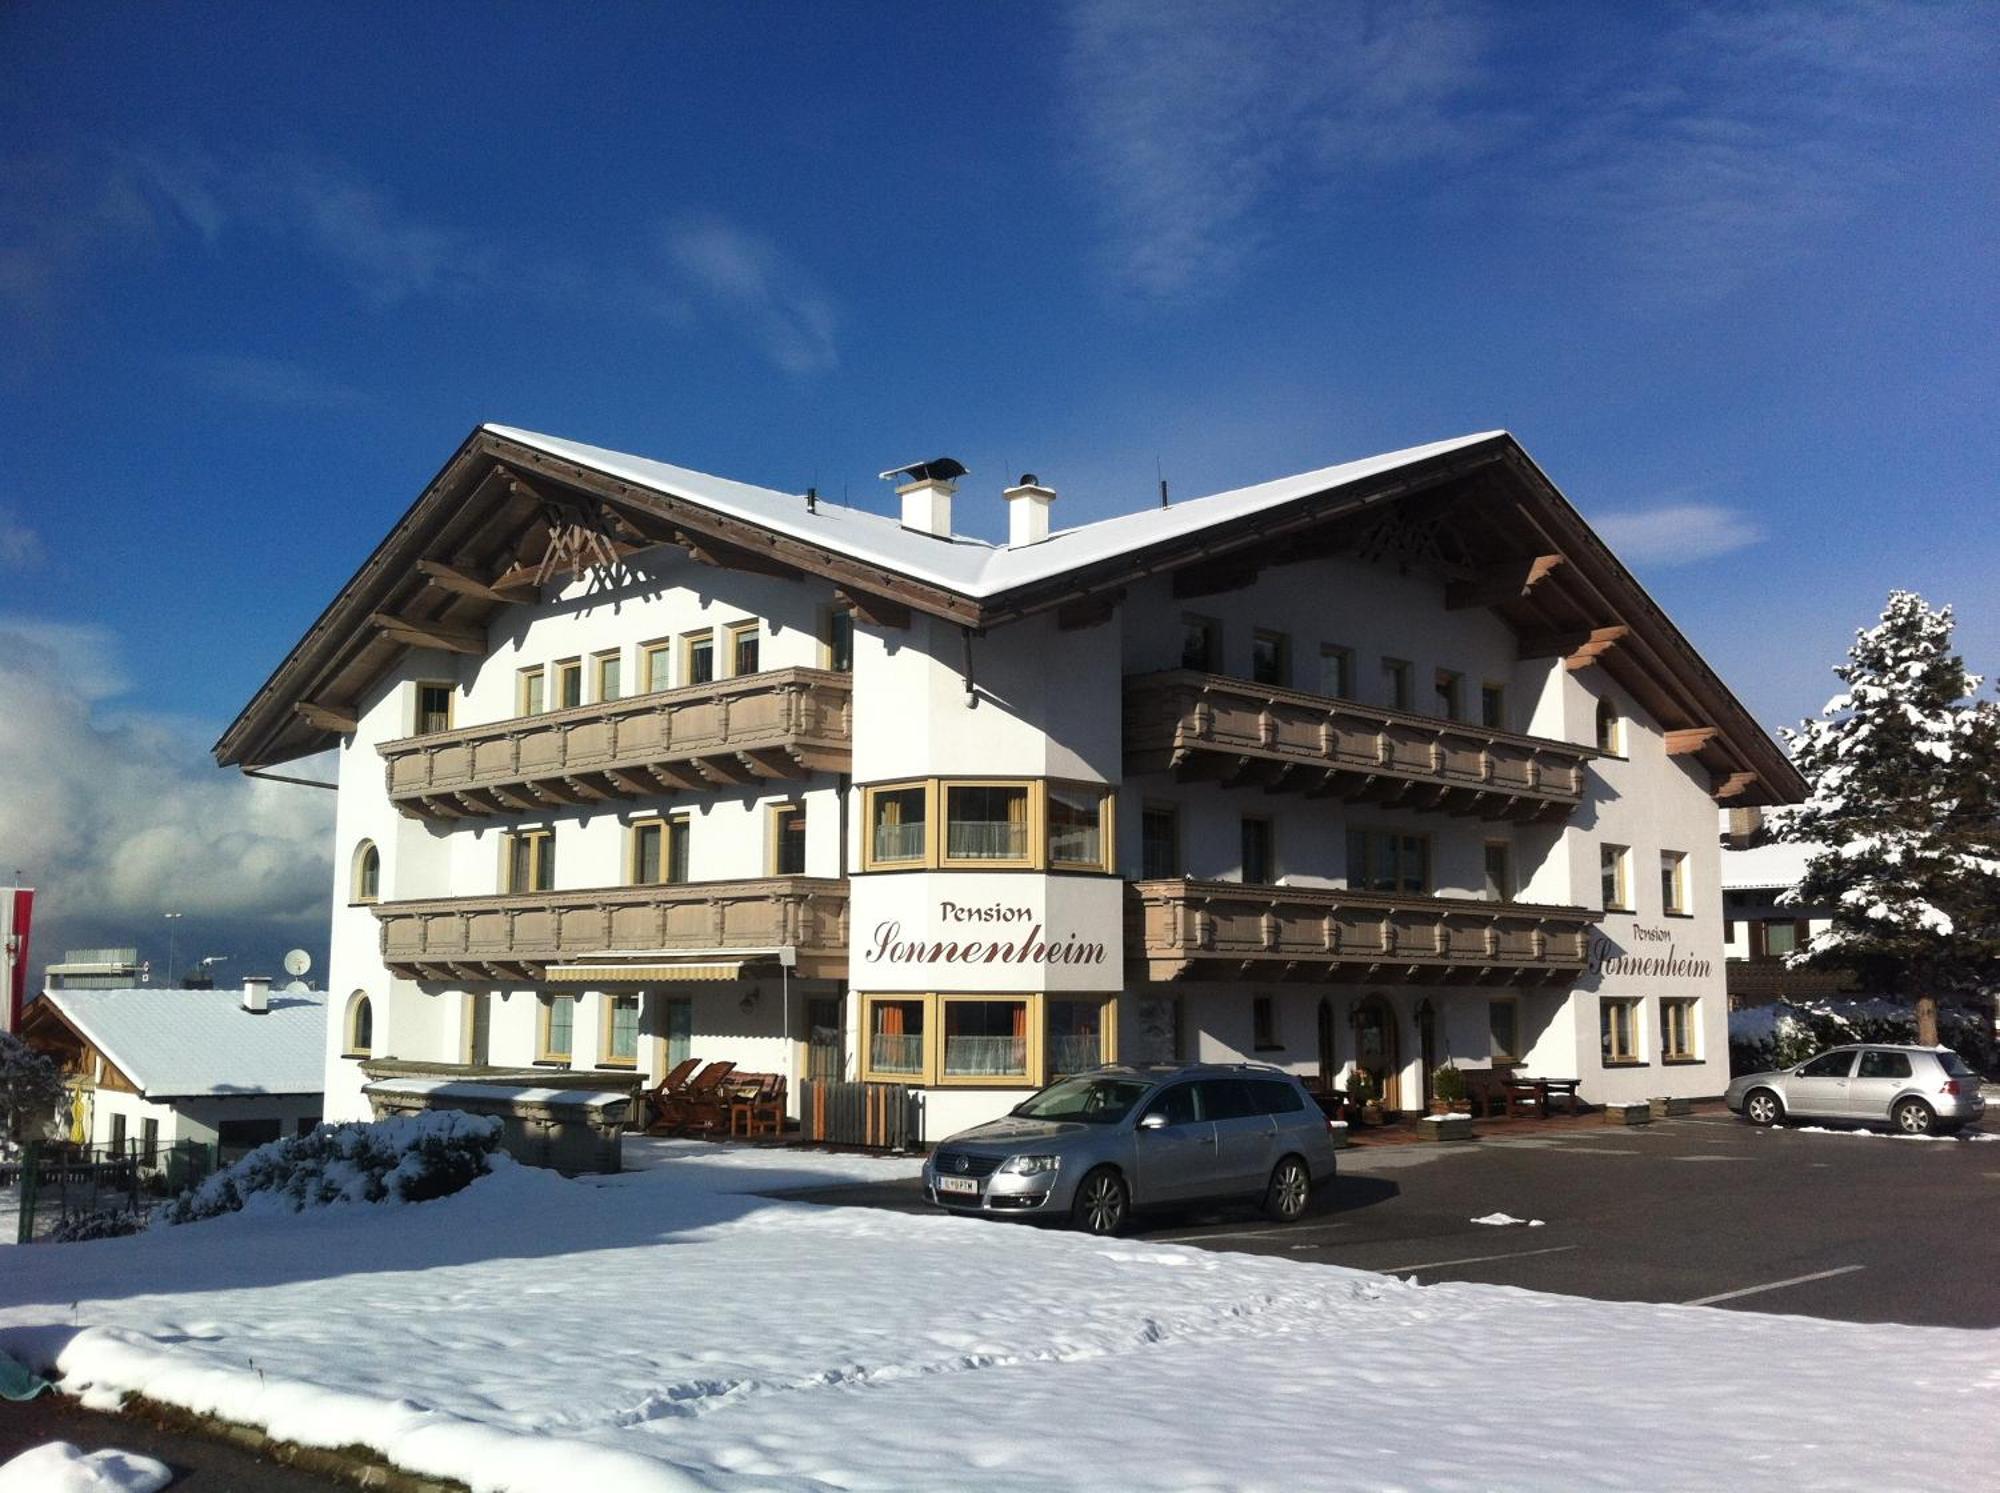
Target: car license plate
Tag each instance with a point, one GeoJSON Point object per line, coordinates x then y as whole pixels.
{"type": "Point", "coordinates": [958, 1184]}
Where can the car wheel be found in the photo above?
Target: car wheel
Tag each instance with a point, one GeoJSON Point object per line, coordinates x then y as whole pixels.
{"type": "Point", "coordinates": [1290, 1191]}
{"type": "Point", "coordinates": [1102, 1203]}
{"type": "Point", "coordinates": [1763, 1107]}
{"type": "Point", "coordinates": [1913, 1117]}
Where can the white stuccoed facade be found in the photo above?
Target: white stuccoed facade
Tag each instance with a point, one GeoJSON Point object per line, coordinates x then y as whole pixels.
{"type": "Point", "coordinates": [1045, 700]}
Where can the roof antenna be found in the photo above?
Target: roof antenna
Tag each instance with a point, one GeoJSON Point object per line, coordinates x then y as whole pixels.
{"type": "Point", "coordinates": [1162, 471]}
{"type": "Point", "coordinates": [812, 500]}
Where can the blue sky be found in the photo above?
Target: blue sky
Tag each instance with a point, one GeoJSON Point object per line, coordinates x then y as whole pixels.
{"type": "Point", "coordinates": [1726, 273]}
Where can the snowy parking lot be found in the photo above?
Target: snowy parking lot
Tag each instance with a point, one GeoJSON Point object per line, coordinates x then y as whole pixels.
{"type": "Point", "coordinates": [673, 1328]}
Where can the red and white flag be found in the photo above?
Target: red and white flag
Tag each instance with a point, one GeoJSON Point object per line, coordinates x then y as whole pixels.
{"type": "Point", "coordinates": [17, 909]}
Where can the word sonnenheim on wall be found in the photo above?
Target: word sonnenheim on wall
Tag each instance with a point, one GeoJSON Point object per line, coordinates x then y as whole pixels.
{"type": "Point", "coordinates": [1606, 958]}
{"type": "Point", "coordinates": [887, 944]}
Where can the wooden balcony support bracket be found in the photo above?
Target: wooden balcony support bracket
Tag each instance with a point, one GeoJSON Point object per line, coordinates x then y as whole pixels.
{"type": "Point", "coordinates": [339, 719]}
{"type": "Point", "coordinates": [630, 784]}
{"type": "Point", "coordinates": [1511, 580]}
{"type": "Point", "coordinates": [1690, 739]}
{"type": "Point", "coordinates": [412, 633]}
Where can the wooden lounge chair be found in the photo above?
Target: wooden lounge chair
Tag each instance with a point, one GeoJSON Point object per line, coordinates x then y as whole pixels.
{"type": "Point", "coordinates": [696, 1105]}
{"type": "Point", "coordinates": [661, 1095]}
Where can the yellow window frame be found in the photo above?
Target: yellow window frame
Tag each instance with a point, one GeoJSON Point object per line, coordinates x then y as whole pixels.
{"type": "Point", "coordinates": [927, 859]}
{"type": "Point", "coordinates": [935, 1004]}
{"type": "Point", "coordinates": [656, 665]}
{"type": "Point", "coordinates": [733, 634]}
{"type": "Point", "coordinates": [1513, 1005]}
{"type": "Point", "coordinates": [1107, 825]}
{"type": "Point", "coordinates": [599, 664]}
{"type": "Point", "coordinates": [544, 1020]}
{"type": "Point", "coordinates": [607, 1004]}
{"type": "Point", "coordinates": [1678, 1011]}
{"type": "Point", "coordinates": [528, 683]}
{"type": "Point", "coordinates": [774, 829]}
{"type": "Point", "coordinates": [690, 641]}
{"type": "Point", "coordinates": [541, 852]}
{"type": "Point", "coordinates": [568, 672]}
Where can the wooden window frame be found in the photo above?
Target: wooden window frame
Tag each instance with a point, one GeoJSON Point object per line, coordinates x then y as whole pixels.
{"type": "Point", "coordinates": [1513, 1004]}
{"type": "Point", "coordinates": [544, 1021]}
{"type": "Point", "coordinates": [935, 1003]}
{"type": "Point", "coordinates": [1216, 658]}
{"type": "Point", "coordinates": [1368, 832]}
{"type": "Point", "coordinates": [668, 825]}
{"type": "Point", "coordinates": [1622, 876]}
{"type": "Point", "coordinates": [829, 622]}
{"type": "Point", "coordinates": [468, 1027]}
{"type": "Point", "coordinates": [598, 661]}
{"type": "Point", "coordinates": [927, 859]}
{"type": "Point", "coordinates": [417, 688]}
{"type": "Point", "coordinates": [1270, 824]}
{"type": "Point", "coordinates": [1635, 1041]}
{"type": "Point", "coordinates": [775, 816]}
{"type": "Point", "coordinates": [1400, 677]}
{"type": "Point", "coordinates": [1608, 727]}
{"type": "Point", "coordinates": [927, 1064]}
{"type": "Point", "coordinates": [656, 661]}
{"type": "Point", "coordinates": [1107, 1026]}
{"type": "Point", "coordinates": [1035, 824]}
{"type": "Point", "coordinates": [937, 800]}
{"type": "Point", "coordinates": [689, 642]}
{"type": "Point", "coordinates": [1282, 643]}
{"type": "Point", "coordinates": [1509, 888]}
{"type": "Point", "coordinates": [1345, 657]}
{"type": "Point", "coordinates": [356, 897]}
{"type": "Point", "coordinates": [733, 633]}
{"type": "Point", "coordinates": [1107, 824]}
{"type": "Point", "coordinates": [350, 1024]}
{"type": "Point", "coordinates": [1032, 1022]}
{"type": "Point", "coordinates": [541, 855]}
{"type": "Point", "coordinates": [1264, 1015]}
{"type": "Point", "coordinates": [1156, 805]}
{"type": "Point", "coordinates": [1494, 692]}
{"type": "Point", "coordinates": [607, 1004]}
{"type": "Point", "coordinates": [533, 675]}
{"type": "Point", "coordinates": [1675, 861]}
{"type": "Point", "coordinates": [1688, 1007]}
{"type": "Point", "coordinates": [561, 672]}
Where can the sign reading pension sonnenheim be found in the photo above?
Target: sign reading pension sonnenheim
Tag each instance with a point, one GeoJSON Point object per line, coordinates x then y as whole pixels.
{"type": "Point", "coordinates": [1653, 955]}
{"type": "Point", "coordinates": [974, 931]}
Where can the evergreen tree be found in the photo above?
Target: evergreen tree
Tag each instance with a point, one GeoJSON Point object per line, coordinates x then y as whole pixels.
{"type": "Point", "coordinates": [31, 1091]}
{"type": "Point", "coordinates": [1904, 814]}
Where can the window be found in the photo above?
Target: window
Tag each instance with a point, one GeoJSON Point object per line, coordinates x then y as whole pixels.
{"type": "Point", "coordinates": [1883, 1065]}
{"type": "Point", "coordinates": [1499, 871]}
{"type": "Point", "coordinates": [1264, 1024]}
{"type": "Point", "coordinates": [1617, 1030]}
{"type": "Point", "coordinates": [985, 1038]}
{"type": "Point", "coordinates": [569, 683]}
{"type": "Point", "coordinates": [360, 1026]}
{"type": "Point", "coordinates": [366, 885]}
{"type": "Point", "coordinates": [621, 1031]}
{"type": "Point", "coordinates": [531, 860]}
{"type": "Point", "coordinates": [610, 671]}
{"type": "Point", "coordinates": [1611, 878]}
{"type": "Point", "coordinates": [1832, 1065]}
{"type": "Point", "coordinates": [1201, 644]}
{"type": "Point", "coordinates": [660, 851]}
{"type": "Point", "coordinates": [676, 1017]}
{"type": "Point", "coordinates": [478, 1029]}
{"type": "Point", "coordinates": [1503, 1024]}
{"type": "Point", "coordinates": [1075, 1040]}
{"type": "Point", "coordinates": [1386, 860]}
{"type": "Point", "coordinates": [895, 1037]}
{"type": "Point", "coordinates": [743, 648]}
{"type": "Point", "coordinates": [986, 822]}
{"type": "Point", "coordinates": [698, 658]}
{"type": "Point", "coordinates": [1677, 1029]}
{"type": "Point", "coordinates": [1397, 686]}
{"type": "Point", "coordinates": [1673, 882]}
{"type": "Point", "coordinates": [1493, 706]}
{"type": "Point", "coordinates": [897, 824]}
{"type": "Point", "coordinates": [530, 692]}
{"type": "Point", "coordinates": [1270, 657]}
{"type": "Point", "coordinates": [1450, 694]}
{"type": "Point", "coordinates": [1258, 861]}
{"type": "Point", "coordinates": [433, 708]}
{"type": "Point", "coordinates": [557, 1025]}
{"type": "Point", "coordinates": [655, 665]}
{"type": "Point", "coordinates": [788, 840]}
{"type": "Point", "coordinates": [836, 641]}
{"type": "Point", "coordinates": [149, 1141]}
{"type": "Point", "coordinates": [1336, 671]}
{"type": "Point", "coordinates": [1610, 730]}
{"type": "Point", "coordinates": [1159, 841]}
{"type": "Point", "coordinates": [118, 1135]}
{"type": "Point", "coordinates": [1076, 826]}
{"type": "Point", "coordinates": [1774, 940]}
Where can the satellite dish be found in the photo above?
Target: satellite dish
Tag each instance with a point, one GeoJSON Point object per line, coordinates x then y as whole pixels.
{"type": "Point", "coordinates": [298, 987]}
{"type": "Point", "coordinates": [297, 962]}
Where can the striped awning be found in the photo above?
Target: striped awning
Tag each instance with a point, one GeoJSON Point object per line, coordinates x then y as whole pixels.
{"type": "Point", "coordinates": [642, 974]}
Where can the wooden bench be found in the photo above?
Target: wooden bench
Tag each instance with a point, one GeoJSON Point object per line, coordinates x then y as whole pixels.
{"type": "Point", "coordinates": [757, 1104]}
{"type": "Point", "coordinates": [1490, 1092]}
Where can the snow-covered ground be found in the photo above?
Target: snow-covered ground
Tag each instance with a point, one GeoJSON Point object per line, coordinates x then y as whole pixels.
{"type": "Point", "coordinates": [668, 1329]}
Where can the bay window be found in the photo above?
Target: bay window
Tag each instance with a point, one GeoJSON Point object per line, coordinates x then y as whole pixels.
{"type": "Point", "coordinates": [986, 822]}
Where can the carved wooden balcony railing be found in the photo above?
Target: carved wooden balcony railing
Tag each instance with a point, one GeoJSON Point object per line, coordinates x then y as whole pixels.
{"type": "Point", "coordinates": [518, 936]}
{"type": "Point", "coordinates": [786, 723]}
{"type": "Point", "coordinates": [1226, 929]}
{"type": "Point", "coordinates": [1241, 733]}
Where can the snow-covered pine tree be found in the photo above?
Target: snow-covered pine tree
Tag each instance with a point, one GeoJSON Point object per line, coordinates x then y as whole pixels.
{"type": "Point", "coordinates": [1904, 768]}
{"type": "Point", "coordinates": [31, 1091]}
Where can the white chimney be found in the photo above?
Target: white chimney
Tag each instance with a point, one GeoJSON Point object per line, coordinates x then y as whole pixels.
{"type": "Point", "coordinates": [257, 994]}
{"type": "Point", "coordinates": [927, 494]}
{"type": "Point", "coordinates": [1028, 511]}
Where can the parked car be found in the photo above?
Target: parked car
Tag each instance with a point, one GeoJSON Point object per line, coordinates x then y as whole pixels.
{"type": "Point", "coordinates": [1095, 1147]}
{"type": "Point", "coordinates": [1918, 1090]}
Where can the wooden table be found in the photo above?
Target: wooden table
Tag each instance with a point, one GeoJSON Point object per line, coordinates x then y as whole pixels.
{"type": "Point", "coordinates": [1537, 1092]}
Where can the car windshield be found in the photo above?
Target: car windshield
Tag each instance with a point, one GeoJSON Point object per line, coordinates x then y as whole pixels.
{"type": "Point", "coordinates": [1954, 1064]}
{"type": "Point", "coordinates": [1093, 1101]}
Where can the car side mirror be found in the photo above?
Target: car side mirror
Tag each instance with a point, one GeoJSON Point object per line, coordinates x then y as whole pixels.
{"type": "Point", "coordinates": [1157, 1120]}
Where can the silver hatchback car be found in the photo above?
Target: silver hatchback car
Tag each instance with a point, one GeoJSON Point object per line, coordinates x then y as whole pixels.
{"type": "Point", "coordinates": [1918, 1090]}
{"type": "Point", "coordinates": [1094, 1147]}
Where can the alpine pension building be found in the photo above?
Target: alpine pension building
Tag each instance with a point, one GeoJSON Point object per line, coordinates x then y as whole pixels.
{"type": "Point", "coordinates": [1356, 772]}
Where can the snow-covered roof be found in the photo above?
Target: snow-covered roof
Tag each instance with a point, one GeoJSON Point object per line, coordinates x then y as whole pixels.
{"type": "Point", "coordinates": [972, 567]}
{"type": "Point", "coordinates": [1764, 867]}
{"type": "Point", "coordinates": [181, 1043]}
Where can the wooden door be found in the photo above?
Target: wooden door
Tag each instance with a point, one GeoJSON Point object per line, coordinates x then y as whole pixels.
{"type": "Point", "coordinates": [1378, 1051]}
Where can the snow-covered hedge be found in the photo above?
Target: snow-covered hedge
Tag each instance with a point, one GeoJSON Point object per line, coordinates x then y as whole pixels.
{"type": "Point", "coordinates": [1783, 1033]}
{"type": "Point", "coordinates": [403, 1159]}
{"type": "Point", "coordinates": [108, 1223]}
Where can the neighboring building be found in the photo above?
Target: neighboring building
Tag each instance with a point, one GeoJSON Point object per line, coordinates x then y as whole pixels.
{"type": "Point", "coordinates": [1760, 928]}
{"type": "Point", "coordinates": [1353, 772]}
{"type": "Point", "coordinates": [94, 969]}
{"type": "Point", "coordinates": [148, 1067]}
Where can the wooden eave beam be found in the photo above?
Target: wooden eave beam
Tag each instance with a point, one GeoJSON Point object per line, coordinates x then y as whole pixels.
{"type": "Point", "coordinates": [876, 611]}
{"type": "Point", "coordinates": [1227, 573]}
{"type": "Point", "coordinates": [725, 556]}
{"type": "Point", "coordinates": [1089, 611]}
{"type": "Point", "coordinates": [1690, 739]}
{"type": "Point", "coordinates": [1577, 650]}
{"type": "Point", "coordinates": [415, 634]}
{"type": "Point", "coordinates": [1735, 785]}
{"type": "Point", "coordinates": [339, 719]}
{"type": "Point", "coordinates": [458, 582]}
{"type": "Point", "coordinates": [1511, 580]}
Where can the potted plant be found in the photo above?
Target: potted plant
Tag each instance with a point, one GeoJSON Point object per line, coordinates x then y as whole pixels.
{"type": "Point", "coordinates": [1448, 1091]}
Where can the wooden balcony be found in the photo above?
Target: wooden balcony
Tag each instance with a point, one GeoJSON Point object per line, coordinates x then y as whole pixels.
{"type": "Point", "coordinates": [519, 936]}
{"type": "Point", "coordinates": [1206, 726]}
{"type": "Point", "coordinates": [785, 723]}
{"type": "Point", "coordinates": [1229, 930]}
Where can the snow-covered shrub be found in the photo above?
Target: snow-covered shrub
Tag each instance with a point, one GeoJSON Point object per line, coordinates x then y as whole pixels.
{"type": "Point", "coordinates": [1783, 1033]}
{"type": "Point", "coordinates": [104, 1224]}
{"type": "Point", "coordinates": [31, 1091]}
{"type": "Point", "coordinates": [403, 1159]}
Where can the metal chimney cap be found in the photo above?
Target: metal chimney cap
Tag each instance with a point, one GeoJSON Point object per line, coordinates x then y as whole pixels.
{"type": "Point", "coordinates": [937, 469]}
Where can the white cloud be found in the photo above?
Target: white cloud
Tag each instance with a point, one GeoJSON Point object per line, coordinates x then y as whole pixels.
{"type": "Point", "coordinates": [20, 546]}
{"type": "Point", "coordinates": [117, 820]}
{"type": "Point", "coordinates": [744, 277]}
{"type": "Point", "coordinates": [1676, 533]}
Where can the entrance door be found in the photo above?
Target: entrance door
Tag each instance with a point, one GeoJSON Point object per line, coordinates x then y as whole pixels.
{"type": "Point", "coordinates": [1329, 1062]}
{"type": "Point", "coordinates": [1378, 1056]}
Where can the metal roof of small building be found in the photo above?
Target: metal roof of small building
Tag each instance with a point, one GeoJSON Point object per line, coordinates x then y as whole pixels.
{"type": "Point", "coordinates": [184, 1043]}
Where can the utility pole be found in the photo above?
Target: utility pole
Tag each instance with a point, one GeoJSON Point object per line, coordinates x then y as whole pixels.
{"type": "Point", "coordinates": [172, 918]}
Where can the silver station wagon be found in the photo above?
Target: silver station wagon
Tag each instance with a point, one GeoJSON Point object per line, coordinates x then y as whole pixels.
{"type": "Point", "coordinates": [1918, 1090]}
{"type": "Point", "coordinates": [1093, 1148]}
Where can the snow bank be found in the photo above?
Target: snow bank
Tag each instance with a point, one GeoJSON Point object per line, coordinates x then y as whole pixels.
{"type": "Point", "coordinates": [58, 1467]}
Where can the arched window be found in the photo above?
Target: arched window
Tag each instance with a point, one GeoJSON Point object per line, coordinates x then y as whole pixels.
{"type": "Point", "coordinates": [1610, 730]}
{"type": "Point", "coordinates": [360, 1025]}
{"type": "Point", "coordinates": [367, 880]}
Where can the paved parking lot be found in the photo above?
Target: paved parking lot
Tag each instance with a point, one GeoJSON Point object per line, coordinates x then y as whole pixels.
{"type": "Point", "coordinates": [1706, 1210]}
